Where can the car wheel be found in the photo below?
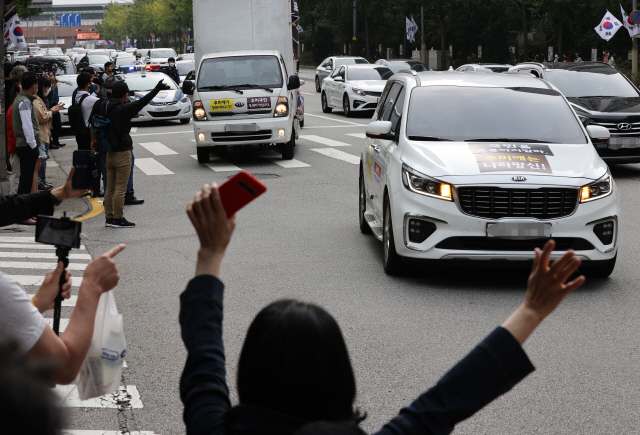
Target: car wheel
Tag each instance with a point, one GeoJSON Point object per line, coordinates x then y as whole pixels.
{"type": "Point", "coordinates": [318, 84]}
{"type": "Point", "coordinates": [362, 207]}
{"type": "Point", "coordinates": [203, 154]}
{"type": "Point", "coordinates": [346, 106]}
{"type": "Point", "coordinates": [185, 121]}
{"type": "Point", "coordinates": [602, 270]}
{"type": "Point", "coordinates": [287, 148]}
{"type": "Point", "coordinates": [325, 106]}
{"type": "Point", "coordinates": [392, 262]}
{"type": "Point", "coordinates": [221, 150]}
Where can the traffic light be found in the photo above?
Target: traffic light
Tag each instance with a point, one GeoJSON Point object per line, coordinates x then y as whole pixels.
{"type": "Point", "coordinates": [92, 30]}
{"type": "Point", "coordinates": [78, 30]}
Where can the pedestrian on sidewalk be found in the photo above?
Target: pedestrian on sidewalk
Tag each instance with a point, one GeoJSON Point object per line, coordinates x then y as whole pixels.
{"type": "Point", "coordinates": [56, 122]}
{"type": "Point", "coordinates": [86, 100]}
{"type": "Point", "coordinates": [119, 160]}
{"type": "Point", "coordinates": [14, 177]}
{"type": "Point", "coordinates": [45, 118]}
{"type": "Point", "coordinates": [294, 368]}
{"type": "Point", "coordinates": [27, 132]}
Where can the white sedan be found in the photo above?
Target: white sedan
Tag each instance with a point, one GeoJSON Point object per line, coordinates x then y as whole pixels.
{"type": "Point", "coordinates": [484, 167]}
{"type": "Point", "coordinates": [354, 88]}
{"type": "Point", "coordinates": [171, 104]}
{"type": "Point", "coordinates": [66, 86]}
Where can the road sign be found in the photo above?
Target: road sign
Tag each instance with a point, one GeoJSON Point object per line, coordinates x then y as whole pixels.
{"type": "Point", "coordinates": [70, 20]}
{"type": "Point", "coordinates": [634, 17]}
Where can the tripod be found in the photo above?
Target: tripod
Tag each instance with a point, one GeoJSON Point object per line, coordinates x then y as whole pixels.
{"type": "Point", "coordinates": [62, 252]}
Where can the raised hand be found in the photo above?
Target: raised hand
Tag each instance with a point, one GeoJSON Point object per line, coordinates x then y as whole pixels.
{"type": "Point", "coordinates": [102, 272]}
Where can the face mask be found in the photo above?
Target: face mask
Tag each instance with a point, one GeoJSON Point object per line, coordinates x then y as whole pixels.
{"type": "Point", "coordinates": [47, 92]}
{"type": "Point", "coordinates": [171, 64]}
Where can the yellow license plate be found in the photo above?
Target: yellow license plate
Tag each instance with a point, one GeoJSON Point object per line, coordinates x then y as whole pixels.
{"type": "Point", "coordinates": [225, 104]}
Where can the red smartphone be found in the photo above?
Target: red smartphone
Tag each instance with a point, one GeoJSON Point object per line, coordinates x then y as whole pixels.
{"type": "Point", "coordinates": [239, 191]}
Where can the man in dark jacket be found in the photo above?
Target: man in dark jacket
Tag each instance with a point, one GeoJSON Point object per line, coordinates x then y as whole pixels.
{"type": "Point", "coordinates": [120, 113]}
{"type": "Point", "coordinates": [172, 71]}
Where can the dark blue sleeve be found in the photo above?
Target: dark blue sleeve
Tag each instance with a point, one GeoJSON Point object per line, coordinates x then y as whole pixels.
{"type": "Point", "coordinates": [203, 385]}
{"type": "Point", "coordinates": [490, 370]}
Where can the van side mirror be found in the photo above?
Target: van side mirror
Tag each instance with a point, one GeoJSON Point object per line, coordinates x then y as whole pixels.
{"type": "Point", "coordinates": [187, 87]}
{"type": "Point", "coordinates": [294, 82]}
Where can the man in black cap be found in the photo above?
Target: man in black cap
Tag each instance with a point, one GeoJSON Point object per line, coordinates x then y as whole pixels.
{"type": "Point", "coordinates": [95, 89]}
{"type": "Point", "coordinates": [120, 112]}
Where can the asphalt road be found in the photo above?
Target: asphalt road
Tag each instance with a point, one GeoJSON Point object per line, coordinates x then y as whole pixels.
{"type": "Point", "coordinates": [301, 240]}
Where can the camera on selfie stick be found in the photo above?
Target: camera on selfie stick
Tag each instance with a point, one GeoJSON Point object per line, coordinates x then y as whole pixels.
{"type": "Point", "coordinates": [64, 234]}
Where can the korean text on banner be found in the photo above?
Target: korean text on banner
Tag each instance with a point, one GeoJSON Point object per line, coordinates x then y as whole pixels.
{"type": "Point", "coordinates": [13, 34]}
{"type": "Point", "coordinates": [608, 26]}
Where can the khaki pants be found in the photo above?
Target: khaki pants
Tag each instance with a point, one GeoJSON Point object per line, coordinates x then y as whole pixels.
{"type": "Point", "coordinates": [14, 178]}
{"type": "Point", "coordinates": [118, 169]}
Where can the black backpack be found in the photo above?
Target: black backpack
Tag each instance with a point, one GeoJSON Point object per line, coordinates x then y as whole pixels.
{"type": "Point", "coordinates": [76, 120]}
{"type": "Point", "coordinates": [103, 128]}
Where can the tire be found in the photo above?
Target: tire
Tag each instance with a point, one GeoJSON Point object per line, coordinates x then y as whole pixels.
{"type": "Point", "coordinates": [362, 206]}
{"type": "Point", "coordinates": [185, 121]}
{"type": "Point", "coordinates": [203, 154]}
{"type": "Point", "coordinates": [602, 270]}
{"type": "Point", "coordinates": [287, 148]}
{"type": "Point", "coordinates": [318, 89]}
{"type": "Point", "coordinates": [391, 261]}
{"type": "Point", "coordinates": [221, 150]}
{"type": "Point", "coordinates": [346, 106]}
{"type": "Point", "coordinates": [325, 106]}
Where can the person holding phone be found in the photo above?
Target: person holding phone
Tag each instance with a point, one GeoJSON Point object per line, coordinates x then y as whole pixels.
{"type": "Point", "coordinates": [295, 370]}
{"type": "Point", "coordinates": [45, 119]}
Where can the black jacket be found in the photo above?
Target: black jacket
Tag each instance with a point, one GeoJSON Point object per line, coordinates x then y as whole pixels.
{"type": "Point", "coordinates": [173, 73]}
{"type": "Point", "coordinates": [17, 208]}
{"type": "Point", "coordinates": [120, 115]}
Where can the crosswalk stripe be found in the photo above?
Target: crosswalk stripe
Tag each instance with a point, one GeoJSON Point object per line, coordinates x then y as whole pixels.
{"type": "Point", "coordinates": [134, 129]}
{"type": "Point", "coordinates": [337, 154]}
{"type": "Point", "coordinates": [103, 432]}
{"type": "Point", "coordinates": [324, 140]}
{"type": "Point", "coordinates": [37, 280]}
{"type": "Point", "coordinates": [220, 165]}
{"type": "Point", "coordinates": [42, 255]}
{"type": "Point", "coordinates": [63, 324]}
{"type": "Point", "coordinates": [37, 265]}
{"type": "Point", "coordinates": [71, 302]}
{"type": "Point", "coordinates": [32, 245]}
{"type": "Point", "coordinates": [151, 166]}
{"type": "Point", "coordinates": [277, 159]}
{"type": "Point", "coordinates": [358, 135]}
{"type": "Point", "coordinates": [70, 398]}
{"type": "Point", "coordinates": [158, 148]}
{"type": "Point", "coordinates": [18, 239]}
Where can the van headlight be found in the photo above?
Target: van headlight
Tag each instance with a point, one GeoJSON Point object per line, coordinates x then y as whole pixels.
{"type": "Point", "coordinates": [427, 186]}
{"type": "Point", "coordinates": [358, 91]}
{"type": "Point", "coordinates": [198, 111]}
{"type": "Point", "coordinates": [282, 107]}
{"type": "Point", "coordinates": [600, 189]}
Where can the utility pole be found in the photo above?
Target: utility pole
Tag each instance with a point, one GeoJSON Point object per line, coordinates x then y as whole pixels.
{"type": "Point", "coordinates": [355, 26]}
{"type": "Point", "coordinates": [634, 50]}
{"type": "Point", "coordinates": [423, 46]}
{"type": "Point", "coordinates": [55, 29]}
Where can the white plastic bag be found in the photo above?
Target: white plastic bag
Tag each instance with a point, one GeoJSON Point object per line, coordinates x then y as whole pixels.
{"type": "Point", "coordinates": [102, 368]}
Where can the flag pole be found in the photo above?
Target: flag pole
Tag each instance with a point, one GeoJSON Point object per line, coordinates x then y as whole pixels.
{"type": "Point", "coordinates": [634, 51]}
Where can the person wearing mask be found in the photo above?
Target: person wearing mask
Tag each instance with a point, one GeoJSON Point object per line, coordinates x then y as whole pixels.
{"type": "Point", "coordinates": [109, 70]}
{"type": "Point", "coordinates": [86, 100]}
{"type": "Point", "coordinates": [119, 164]}
{"type": "Point", "coordinates": [556, 57]}
{"type": "Point", "coordinates": [294, 367]}
{"type": "Point", "coordinates": [95, 88]}
{"type": "Point", "coordinates": [172, 71]}
{"type": "Point", "coordinates": [139, 59]}
{"type": "Point", "coordinates": [27, 132]}
{"type": "Point", "coordinates": [45, 118]}
{"type": "Point", "coordinates": [578, 58]}
{"type": "Point", "coordinates": [54, 100]}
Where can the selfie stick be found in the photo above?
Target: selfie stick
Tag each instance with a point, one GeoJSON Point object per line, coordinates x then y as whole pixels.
{"type": "Point", "coordinates": [62, 252]}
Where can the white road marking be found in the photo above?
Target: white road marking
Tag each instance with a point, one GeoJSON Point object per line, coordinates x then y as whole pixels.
{"type": "Point", "coordinates": [220, 165]}
{"type": "Point", "coordinates": [332, 126]}
{"type": "Point", "coordinates": [158, 148]}
{"type": "Point", "coordinates": [306, 93]}
{"type": "Point", "coordinates": [333, 119]}
{"type": "Point", "coordinates": [103, 432]}
{"type": "Point", "coordinates": [71, 302]}
{"type": "Point", "coordinates": [358, 135]}
{"type": "Point", "coordinates": [36, 265]}
{"type": "Point", "coordinates": [277, 159]}
{"type": "Point", "coordinates": [337, 154]}
{"type": "Point", "coordinates": [324, 140]}
{"type": "Point", "coordinates": [32, 245]}
{"type": "Point", "coordinates": [36, 280]}
{"type": "Point", "coordinates": [42, 255]}
{"type": "Point", "coordinates": [70, 399]}
{"type": "Point", "coordinates": [162, 132]}
{"type": "Point", "coordinates": [134, 129]}
{"type": "Point", "coordinates": [18, 239]}
{"type": "Point", "coordinates": [152, 167]}
{"type": "Point", "coordinates": [63, 324]}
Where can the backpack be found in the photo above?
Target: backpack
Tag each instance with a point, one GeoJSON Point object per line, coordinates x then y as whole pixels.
{"type": "Point", "coordinates": [103, 129]}
{"type": "Point", "coordinates": [76, 120]}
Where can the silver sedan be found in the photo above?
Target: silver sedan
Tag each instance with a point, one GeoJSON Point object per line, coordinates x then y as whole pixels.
{"type": "Point", "coordinates": [332, 63]}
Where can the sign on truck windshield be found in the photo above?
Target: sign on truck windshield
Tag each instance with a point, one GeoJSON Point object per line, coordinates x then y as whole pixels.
{"type": "Point", "coordinates": [240, 72]}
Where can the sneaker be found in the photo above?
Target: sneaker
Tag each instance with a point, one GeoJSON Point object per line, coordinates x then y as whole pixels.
{"type": "Point", "coordinates": [54, 146]}
{"type": "Point", "coordinates": [42, 186]}
{"type": "Point", "coordinates": [133, 201]}
{"type": "Point", "coordinates": [109, 222]}
{"type": "Point", "coordinates": [121, 223]}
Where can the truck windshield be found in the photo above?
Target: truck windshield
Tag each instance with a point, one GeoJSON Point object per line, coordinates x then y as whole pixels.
{"type": "Point", "coordinates": [228, 72]}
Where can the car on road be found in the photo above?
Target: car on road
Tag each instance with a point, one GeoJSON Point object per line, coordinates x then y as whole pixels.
{"type": "Point", "coordinates": [159, 56]}
{"type": "Point", "coordinates": [66, 85]}
{"type": "Point", "coordinates": [96, 61]}
{"type": "Point", "coordinates": [484, 167]}
{"type": "Point", "coordinates": [484, 67]}
{"type": "Point", "coordinates": [168, 105]}
{"type": "Point", "coordinates": [601, 95]}
{"type": "Point", "coordinates": [331, 63]}
{"type": "Point", "coordinates": [354, 88]}
{"type": "Point", "coordinates": [61, 63]}
{"type": "Point", "coordinates": [397, 65]}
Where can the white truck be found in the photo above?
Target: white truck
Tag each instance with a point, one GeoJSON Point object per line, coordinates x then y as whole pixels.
{"type": "Point", "coordinates": [245, 90]}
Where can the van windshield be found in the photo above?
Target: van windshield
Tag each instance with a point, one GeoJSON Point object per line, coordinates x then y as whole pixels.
{"type": "Point", "coordinates": [263, 71]}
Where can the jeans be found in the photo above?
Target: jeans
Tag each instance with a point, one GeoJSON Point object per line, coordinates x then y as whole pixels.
{"type": "Point", "coordinates": [44, 154]}
{"type": "Point", "coordinates": [28, 158]}
{"type": "Point", "coordinates": [118, 168]}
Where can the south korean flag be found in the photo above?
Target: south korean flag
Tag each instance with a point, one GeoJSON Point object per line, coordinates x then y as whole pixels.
{"type": "Point", "coordinates": [608, 26]}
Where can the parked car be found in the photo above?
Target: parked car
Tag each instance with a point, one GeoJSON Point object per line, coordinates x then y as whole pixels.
{"type": "Point", "coordinates": [329, 64]}
{"type": "Point", "coordinates": [354, 88]}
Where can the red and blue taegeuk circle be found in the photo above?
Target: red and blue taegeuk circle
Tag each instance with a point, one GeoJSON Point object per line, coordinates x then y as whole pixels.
{"type": "Point", "coordinates": [607, 25]}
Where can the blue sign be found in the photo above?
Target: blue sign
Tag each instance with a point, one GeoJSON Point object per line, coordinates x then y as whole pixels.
{"type": "Point", "coordinates": [70, 20]}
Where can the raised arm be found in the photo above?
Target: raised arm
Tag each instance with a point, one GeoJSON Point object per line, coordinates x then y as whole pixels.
{"type": "Point", "coordinates": [203, 385]}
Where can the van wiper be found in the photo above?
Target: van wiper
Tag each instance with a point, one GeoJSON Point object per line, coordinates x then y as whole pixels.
{"type": "Point", "coordinates": [506, 139]}
{"type": "Point", "coordinates": [430, 138]}
{"type": "Point", "coordinates": [220, 88]}
{"type": "Point", "coordinates": [247, 85]}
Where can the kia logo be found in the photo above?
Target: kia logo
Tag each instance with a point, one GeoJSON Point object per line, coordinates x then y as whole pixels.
{"type": "Point", "coordinates": [518, 178]}
{"type": "Point", "coordinates": [625, 126]}
{"type": "Point", "coordinates": [239, 104]}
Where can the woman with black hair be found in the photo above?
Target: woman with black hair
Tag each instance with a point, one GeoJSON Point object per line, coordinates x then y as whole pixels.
{"type": "Point", "coordinates": [295, 375]}
{"type": "Point", "coordinates": [45, 119]}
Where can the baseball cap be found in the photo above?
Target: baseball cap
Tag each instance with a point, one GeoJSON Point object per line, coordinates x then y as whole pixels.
{"type": "Point", "coordinates": [119, 90]}
{"type": "Point", "coordinates": [89, 69]}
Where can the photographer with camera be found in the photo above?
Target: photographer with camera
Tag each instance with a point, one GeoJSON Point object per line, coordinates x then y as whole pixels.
{"type": "Point", "coordinates": [120, 112]}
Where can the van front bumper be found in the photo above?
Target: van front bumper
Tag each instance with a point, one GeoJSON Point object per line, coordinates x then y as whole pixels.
{"type": "Point", "coordinates": [243, 132]}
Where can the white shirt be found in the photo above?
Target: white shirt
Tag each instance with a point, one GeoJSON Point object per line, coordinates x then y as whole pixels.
{"type": "Point", "coordinates": [20, 321]}
{"type": "Point", "coordinates": [87, 104]}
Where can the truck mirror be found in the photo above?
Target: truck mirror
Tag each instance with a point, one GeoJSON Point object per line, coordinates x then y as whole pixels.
{"type": "Point", "coordinates": [187, 87]}
{"type": "Point", "coordinates": [294, 83]}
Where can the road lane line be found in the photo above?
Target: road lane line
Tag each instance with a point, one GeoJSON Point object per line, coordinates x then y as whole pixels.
{"type": "Point", "coordinates": [152, 167]}
{"type": "Point", "coordinates": [162, 132]}
{"type": "Point", "coordinates": [306, 93]}
{"type": "Point", "coordinates": [71, 302]}
{"type": "Point", "coordinates": [158, 148]}
{"type": "Point", "coordinates": [26, 280]}
{"type": "Point", "coordinates": [332, 126]}
{"type": "Point", "coordinates": [32, 246]}
{"type": "Point", "coordinates": [51, 255]}
{"type": "Point", "coordinates": [324, 140]}
{"type": "Point", "coordinates": [134, 129]}
{"type": "Point", "coordinates": [127, 397]}
{"type": "Point", "coordinates": [18, 239]}
{"type": "Point", "coordinates": [103, 432]}
{"type": "Point", "coordinates": [337, 154]}
{"type": "Point", "coordinates": [358, 135]}
{"type": "Point", "coordinates": [37, 265]}
{"type": "Point", "coordinates": [333, 119]}
{"type": "Point", "coordinates": [219, 165]}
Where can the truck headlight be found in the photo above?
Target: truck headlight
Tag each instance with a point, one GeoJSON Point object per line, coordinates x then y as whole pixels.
{"type": "Point", "coordinates": [357, 91]}
{"type": "Point", "coordinates": [198, 111]}
{"type": "Point", "coordinates": [426, 186]}
{"type": "Point", "coordinates": [282, 107]}
{"type": "Point", "coordinates": [600, 189]}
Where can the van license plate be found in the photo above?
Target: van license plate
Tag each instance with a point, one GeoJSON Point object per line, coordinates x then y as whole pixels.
{"type": "Point", "coordinates": [241, 128]}
{"type": "Point", "coordinates": [519, 230]}
{"type": "Point", "coordinates": [225, 104]}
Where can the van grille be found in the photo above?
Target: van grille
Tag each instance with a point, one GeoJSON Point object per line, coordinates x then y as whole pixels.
{"type": "Point", "coordinates": [230, 136]}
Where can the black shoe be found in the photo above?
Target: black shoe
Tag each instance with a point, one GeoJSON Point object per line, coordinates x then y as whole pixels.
{"type": "Point", "coordinates": [42, 186]}
{"type": "Point", "coordinates": [109, 222]}
{"type": "Point", "coordinates": [120, 223]}
{"type": "Point", "coordinates": [101, 194]}
{"type": "Point", "coordinates": [133, 201]}
{"type": "Point", "coordinates": [49, 185]}
{"type": "Point", "coordinates": [61, 144]}
{"type": "Point", "coordinates": [54, 146]}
